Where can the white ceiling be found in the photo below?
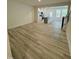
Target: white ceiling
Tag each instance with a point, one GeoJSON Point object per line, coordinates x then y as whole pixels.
{"type": "Point", "coordinates": [43, 2]}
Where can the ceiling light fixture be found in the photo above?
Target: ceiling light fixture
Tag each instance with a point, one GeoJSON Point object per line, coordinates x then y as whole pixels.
{"type": "Point", "coordinates": [39, 0]}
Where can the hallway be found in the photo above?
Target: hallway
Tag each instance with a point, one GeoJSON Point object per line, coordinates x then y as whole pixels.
{"type": "Point", "coordinates": [39, 41]}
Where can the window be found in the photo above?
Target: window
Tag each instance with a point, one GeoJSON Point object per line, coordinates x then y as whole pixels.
{"type": "Point", "coordinates": [51, 14]}
{"type": "Point", "coordinates": [64, 12]}
{"type": "Point", "coordinates": [58, 12]}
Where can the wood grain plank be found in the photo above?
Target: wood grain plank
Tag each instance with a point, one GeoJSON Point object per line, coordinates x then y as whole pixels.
{"type": "Point", "coordinates": [38, 41]}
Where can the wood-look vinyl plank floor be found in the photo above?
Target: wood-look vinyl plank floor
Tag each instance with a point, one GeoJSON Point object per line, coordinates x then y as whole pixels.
{"type": "Point", "coordinates": [38, 41]}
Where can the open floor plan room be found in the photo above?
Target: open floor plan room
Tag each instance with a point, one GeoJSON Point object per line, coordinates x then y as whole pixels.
{"type": "Point", "coordinates": [38, 29]}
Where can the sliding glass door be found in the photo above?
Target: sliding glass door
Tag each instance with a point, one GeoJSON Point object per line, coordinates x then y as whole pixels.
{"type": "Point", "coordinates": [53, 13]}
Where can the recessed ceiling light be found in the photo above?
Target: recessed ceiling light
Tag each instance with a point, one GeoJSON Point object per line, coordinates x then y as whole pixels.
{"type": "Point", "coordinates": [39, 0]}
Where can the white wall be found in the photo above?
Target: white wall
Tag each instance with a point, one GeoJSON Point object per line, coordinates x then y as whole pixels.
{"type": "Point", "coordinates": [19, 13]}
